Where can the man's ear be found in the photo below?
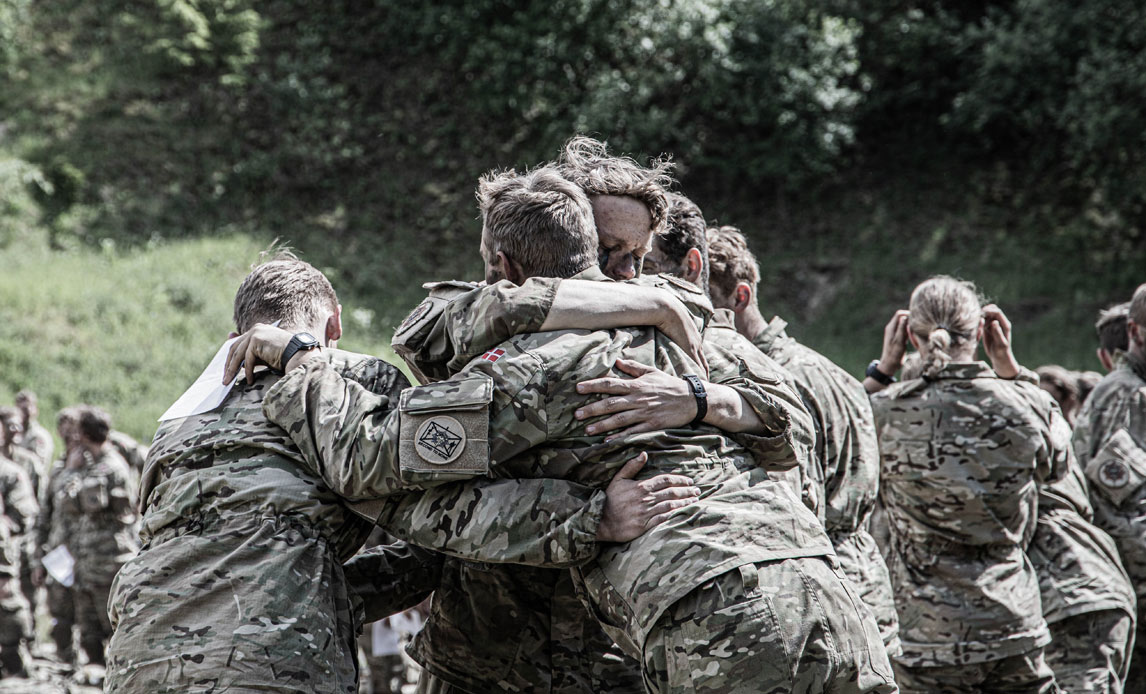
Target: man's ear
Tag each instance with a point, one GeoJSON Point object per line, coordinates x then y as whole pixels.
{"type": "Point", "coordinates": [1105, 359]}
{"type": "Point", "coordinates": [693, 264]}
{"type": "Point", "coordinates": [1135, 333]}
{"type": "Point", "coordinates": [509, 268]}
{"type": "Point", "coordinates": [980, 330]}
{"type": "Point", "coordinates": [743, 296]}
{"type": "Point", "coordinates": [232, 335]}
{"type": "Point", "coordinates": [914, 340]}
{"type": "Point", "coordinates": [334, 327]}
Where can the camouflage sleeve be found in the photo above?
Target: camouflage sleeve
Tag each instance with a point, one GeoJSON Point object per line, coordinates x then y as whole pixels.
{"type": "Point", "coordinates": [347, 434]}
{"type": "Point", "coordinates": [548, 523]}
{"type": "Point", "coordinates": [20, 501]}
{"type": "Point", "coordinates": [786, 433]}
{"type": "Point", "coordinates": [44, 516]}
{"type": "Point", "coordinates": [389, 579]}
{"type": "Point", "coordinates": [1060, 456]}
{"type": "Point", "coordinates": [449, 329]}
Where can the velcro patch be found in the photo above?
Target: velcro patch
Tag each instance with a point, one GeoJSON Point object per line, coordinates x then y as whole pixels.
{"type": "Point", "coordinates": [1118, 470]}
{"type": "Point", "coordinates": [444, 432]}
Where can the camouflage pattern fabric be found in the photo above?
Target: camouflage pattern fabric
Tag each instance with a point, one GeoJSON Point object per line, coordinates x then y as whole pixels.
{"type": "Point", "coordinates": [103, 506]}
{"type": "Point", "coordinates": [23, 538]}
{"type": "Point", "coordinates": [962, 454]}
{"type": "Point", "coordinates": [239, 584]}
{"type": "Point", "coordinates": [134, 452]}
{"type": "Point", "coordinates": [53, 528]}
{"type": "Point", "coordinates": [1028, 673]}
{"type": "Point", "coordinates": [17, 512]}
{"type": "Point", "coordinates": [1110, 443]}
{"type": "Point", "coordinates": [843, 471]}
{"type": "Point", "coordinates": [743, 516]}
{"type": "Point", "coordinates": [38, 441]}
{"type": "Point", "coordinates": [1090, 652]}
{"type": "Point", "coordinates": [771, 628]}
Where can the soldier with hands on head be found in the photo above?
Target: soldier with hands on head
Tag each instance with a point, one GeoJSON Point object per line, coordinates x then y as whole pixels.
{"type": "Point", "coordinates": [963, 450]}
{"type": "Point", "coordinates": [1110, 442]}
{"type": "Point", "coordinates": [738, 592]}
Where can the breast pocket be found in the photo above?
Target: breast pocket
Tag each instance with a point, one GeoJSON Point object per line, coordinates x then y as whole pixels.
{"type": "Point", "coordinates": [1118, 470]}
{"type": "Point", "coordinates": [444, 433]}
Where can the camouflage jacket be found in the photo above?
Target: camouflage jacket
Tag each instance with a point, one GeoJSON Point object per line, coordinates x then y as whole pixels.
{"type": "Point", "coordinates": [101, 505]}
{"type": "Point", "coordinates": [1110, 443]}
{"type": "Point", "coordinates": [562, 650]}
{"type": "Point", "coordinates": [842, 475]}
{"type": "Point", "coordinates": [19, 514]}
{"type": "Point", "coordinates": [963, 454]}
{"type": "Point", "coordinates": [31, 464]}
{"type": "Point", "coordinates": [1078, 565]}
{"type": "Point", "coordinates": [53, 526]}
{"type": "Point", "coordinates": [510, 413]}
{"type": "Point", "coordinates": [38, 441]}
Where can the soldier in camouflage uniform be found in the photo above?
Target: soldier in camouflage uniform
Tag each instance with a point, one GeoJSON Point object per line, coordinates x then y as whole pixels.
{"type": "Point", "coordinates": [963, 449]}
{"type": "Point", "coordinates": [100, 502]}
{"type": "Point", "coordinates": [513, 414]}
{"type": "Point", "coordinates": [845, 464]}
{"type": "Point", "coordinates": [1113, 341]}
{"type": "Point", "coordinates": [29, 462]}
{"type": "Point", "coordinates": [226, 496]}
{"type": "Point", "coordinates": [35, 438]}
{"type": "Point", "coordinates": [53, 528]}
{"type": "Point", "coordinates": [1110, 442]}
{"type": "Point", "coordinates": [17, 513]}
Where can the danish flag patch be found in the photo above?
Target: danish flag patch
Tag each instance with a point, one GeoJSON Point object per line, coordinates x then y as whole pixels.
{"type": "Point", "coordinates": [493, 355]}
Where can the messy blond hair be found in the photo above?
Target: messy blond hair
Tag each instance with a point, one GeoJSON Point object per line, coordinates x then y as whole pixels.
{"type": "Point", "coordinates": [284, 289]}
{"type": "Point", "coordinates": [1137, 312]}
{"type": "Point", "coordinates": [729, 260]}
{"type": "Point", "coordinates": [540, 219]}
{"type": "Point", "coordinates": [945, 314]}
{"type": "Point", "coordinates": [588, 164]}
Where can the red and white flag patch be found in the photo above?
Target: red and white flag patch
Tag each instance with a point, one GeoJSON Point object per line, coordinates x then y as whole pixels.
{"type": "Point", "coordinates": [493, 355]}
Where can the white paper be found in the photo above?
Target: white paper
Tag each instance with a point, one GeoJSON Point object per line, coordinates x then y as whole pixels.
{"type": "Point", "coordinates": [383, 639]}
{"type": "Point", "coordinates": [60, 566]}
{"type": "Point", "coordinates": [208, 391]}
{"type": "Point", "coordinates": [408, 622]}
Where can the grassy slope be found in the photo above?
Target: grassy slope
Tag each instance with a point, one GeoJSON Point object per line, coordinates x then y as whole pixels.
{"type": "Point", "coordinates": [126, 331]}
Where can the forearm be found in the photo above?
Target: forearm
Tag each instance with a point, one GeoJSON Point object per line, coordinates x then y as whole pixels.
{"type": "Point", "coordinates": [587, 305]}
{"type": "Point", "coordinates": [392, 578]}
{"type": "Point", "coordinates": [547, 523]}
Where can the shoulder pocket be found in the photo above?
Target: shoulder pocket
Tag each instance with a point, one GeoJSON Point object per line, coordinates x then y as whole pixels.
{"type": "Point", "coordinates": [1118, 470]}
{"type": "Point", "coordinates": [444, 432]}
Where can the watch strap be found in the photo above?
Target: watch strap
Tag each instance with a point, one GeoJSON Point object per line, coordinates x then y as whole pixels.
{"type": "Point", "coordinates": [875, 374]}
{"type": "Point", "coordinates": [701, 396]}
{"type": "Point", "coordinates": [298, 342]}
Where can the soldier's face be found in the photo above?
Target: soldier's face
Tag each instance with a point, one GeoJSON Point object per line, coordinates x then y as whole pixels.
{"type": "Point", "coordinates": [624, 234]}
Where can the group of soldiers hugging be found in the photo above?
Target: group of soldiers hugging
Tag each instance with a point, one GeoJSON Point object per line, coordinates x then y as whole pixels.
{"type": "Point", "coordinates": [615, 474]}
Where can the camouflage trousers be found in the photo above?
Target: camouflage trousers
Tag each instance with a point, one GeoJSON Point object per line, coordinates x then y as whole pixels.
{"type": "Point", "coordinates": [15, 626]}
{"type": "Point", "coordinates": [793, 626]}
{"type": "Point", "coordinates": [429, 684]}
{"type": "Point", "coordinates": [1088, 652]}
{"type": "Point", "coordinates": [91, 615]}
{"type": "Point", "coordinates": [1019, 674]}
{"type": "Point", "coordinates": [62, 606]}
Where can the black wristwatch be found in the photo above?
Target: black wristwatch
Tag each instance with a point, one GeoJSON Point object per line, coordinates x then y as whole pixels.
{"type": "Point", "coordinates": [299, 343]}
{"type": "Point", "coordinates": [874, 373]}
{"type": "Point", "coordinates": [701, 396]}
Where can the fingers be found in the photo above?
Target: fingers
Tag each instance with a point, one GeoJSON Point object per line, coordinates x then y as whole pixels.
{"type": "Point", "coordinates": [664, 516]}
{"type": "Point", "coordinates": [235, 358]}
{"type": "Point", "coordinates": [249, 363]}
{"type": "Point", "coordinates": [662, 482]}
{"type": "Point", "coordinates": [672, 493]}
{"type": "Point", "coordinates": [603, 407]}
{"type": "Point", "coordinates": [638, 428]}
{"type": "Point", "coordinates": [633, 368]}
{"type": "Point", "coordinates": [607, 386]}
{"type": "Point", "coordinates": [631, 468]}
{"type": "Point", "coordinates": [613, 423]}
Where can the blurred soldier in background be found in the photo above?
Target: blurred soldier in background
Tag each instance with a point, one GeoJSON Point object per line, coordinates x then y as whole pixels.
{"type": "Point", "coordinates": [18, 506]}
{"type": "Point", "coordinates": [1110, 442]}
{"type": "Point", "coordinates": [1062, 385]}
{"type": "Point", "coordinates": [36, 438]}
{"type": "Point", "coordinates": [53, 529]}
{"type": "Point", "coordinates": [1112, 338]}
{"type": "Point", "coordinates": [29, 462]}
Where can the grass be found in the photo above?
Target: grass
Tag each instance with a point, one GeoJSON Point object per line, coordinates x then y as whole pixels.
{"type": "Point", "coordinates": [127, 331]}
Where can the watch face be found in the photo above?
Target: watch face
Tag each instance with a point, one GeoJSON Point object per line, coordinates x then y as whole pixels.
{"type": "Point", "coordinates": [306, 340]}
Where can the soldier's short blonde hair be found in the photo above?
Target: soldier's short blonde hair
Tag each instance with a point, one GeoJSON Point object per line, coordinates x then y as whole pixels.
{"type": "Point", "coordinates": [1138, 306]}
{"type": "Point", "coordinates": [729, 260]}
{"type": "Point", "coordinates": [587, 162]}
{"type": "Point", "coordinates": [283, 289]}
{"type": "Point", "coordinates": [540, 219]}
{"type": "Point", "coordinates": [944, 313]}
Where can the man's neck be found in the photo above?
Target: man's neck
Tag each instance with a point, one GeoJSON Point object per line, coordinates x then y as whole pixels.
{"type": "Point", "coordinates": [750, 322]}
